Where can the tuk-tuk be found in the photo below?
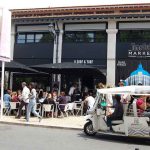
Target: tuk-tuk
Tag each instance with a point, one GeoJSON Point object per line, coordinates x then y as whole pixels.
{"type": "Point", "coordinates": [131, 125]}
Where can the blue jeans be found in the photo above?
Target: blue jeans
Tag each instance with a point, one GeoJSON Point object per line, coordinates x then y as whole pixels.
{"type": "Point", "coordinates": [32, 108]}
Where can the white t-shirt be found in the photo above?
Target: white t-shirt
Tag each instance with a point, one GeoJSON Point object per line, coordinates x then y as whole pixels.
{"type": "Point", "coordinates": [33, 95]}
{"type": "Point", "coordinates": [71, 91]}
{"type": "Point", "coordinates": [25, 94]}
{"type": "Point", "coordinates": [90, 101]}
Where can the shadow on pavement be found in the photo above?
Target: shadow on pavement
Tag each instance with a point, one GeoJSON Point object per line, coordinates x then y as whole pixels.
{"type": "Point", "coordinates": [118, 139]}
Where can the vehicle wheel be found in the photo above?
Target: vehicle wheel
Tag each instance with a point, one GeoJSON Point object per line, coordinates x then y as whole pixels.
{"type": "Point", "coordinates": [88, 129]}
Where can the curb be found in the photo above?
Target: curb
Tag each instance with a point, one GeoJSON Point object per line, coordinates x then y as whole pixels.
{"type": "Point", "coordinates": [40, 126]}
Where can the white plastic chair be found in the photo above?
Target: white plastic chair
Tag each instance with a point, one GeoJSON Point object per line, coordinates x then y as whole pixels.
{"type": "Point", "coordinates": [78, 106]}
{"type": "Point", "coordinates": [71, 108]}
{"type": "Point", "coordinates": [38, 107]}
{"type": "Point", "coordinates": [13, 106]}
{"type": "Point", "coordinates": [48, 108]}
{"type": "Point", "coordinates": [68, 98]}
{"type": "Point", "coordinates": [5, 109]}
{"type": "Point", "coordinates": [66, 109]}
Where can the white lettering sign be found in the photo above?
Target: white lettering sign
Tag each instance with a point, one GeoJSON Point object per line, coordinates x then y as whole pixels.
{"type": "Point", "coordinates": [139, 50]}
{"type": "Point", "coordinates": [83, 61]}
{"type": "Point", "coordinates": [121, 63]}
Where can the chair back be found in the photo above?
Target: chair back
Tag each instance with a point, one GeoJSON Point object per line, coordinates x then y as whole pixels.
{"type": "Point", "coordinates": [47, 107]}
{"type": "Point", "coordinates": [13, 105]}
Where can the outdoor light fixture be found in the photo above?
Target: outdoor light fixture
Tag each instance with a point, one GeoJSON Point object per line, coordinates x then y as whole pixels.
{"type": "Point", "coordinates": [51, 28]}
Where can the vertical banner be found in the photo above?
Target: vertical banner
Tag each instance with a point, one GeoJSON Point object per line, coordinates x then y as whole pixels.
{"type": "Point", "coordinates": [5, 34]}
{"type": "Point", "coordinates": [5, 46]}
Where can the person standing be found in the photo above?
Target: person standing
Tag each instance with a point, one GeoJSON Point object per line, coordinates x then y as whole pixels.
{"type": "Point", "coordinates": [32, 103]}
{"type": "Point", "coordinates": [24, 99]}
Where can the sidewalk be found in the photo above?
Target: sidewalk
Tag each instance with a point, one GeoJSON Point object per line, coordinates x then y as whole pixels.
{"type": "Point", "coordinates": [71, 122]}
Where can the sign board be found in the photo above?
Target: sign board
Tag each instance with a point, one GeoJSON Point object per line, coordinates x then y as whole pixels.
{"type": "Point", "coordinates": [139, 50]}
{"type": "Point", "coordinates": [5, 34]}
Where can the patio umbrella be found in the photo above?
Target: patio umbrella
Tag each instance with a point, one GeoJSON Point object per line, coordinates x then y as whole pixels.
{"type": "Point", "coordinates": [14, 66]}
{"type": "Point", "coordinates": [139, 76]}
{"type": "Point", "coordinates": [67, 67]}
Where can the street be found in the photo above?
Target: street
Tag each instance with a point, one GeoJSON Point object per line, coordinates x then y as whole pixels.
{"type": "Point", "coordinates": [14, 137]}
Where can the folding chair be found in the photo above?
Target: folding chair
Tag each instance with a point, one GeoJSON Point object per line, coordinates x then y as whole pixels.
{"type": "Point", "coordinates": [38, 107]}
{"type": "Point", "coordinates": [5, 109]}
{"type": "Point", "coordinates": [71, 108]}
{"type": "Point", "coordinates": [48, 108]}
{"type": "Point", "coordinates": [78, 106]}
{"type": "Point", "coordinates": [13, 106]}
{"type": "Point", "coordinates": [66, 109]}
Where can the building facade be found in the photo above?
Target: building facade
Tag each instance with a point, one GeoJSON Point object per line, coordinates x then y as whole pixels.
{"type": "Point", "coordinates": [113, 38]}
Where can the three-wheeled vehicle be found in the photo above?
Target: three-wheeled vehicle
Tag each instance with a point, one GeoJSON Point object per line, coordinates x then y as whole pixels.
{"type": "Point", "coordinates": [131, 125]}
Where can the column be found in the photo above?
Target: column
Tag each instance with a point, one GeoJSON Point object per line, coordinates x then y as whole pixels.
{"type": "Point", "coordinates": [111, 52]}
{"type": "Point", "coordinates": [12, 39]}
{"type": "Point", "coordinates": [57, 52]}
{"type": "Point", "coordinates": [60, 41]}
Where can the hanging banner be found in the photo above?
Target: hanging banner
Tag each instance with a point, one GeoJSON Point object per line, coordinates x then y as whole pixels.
{"type": "Point", "coordinates": [5, 35]}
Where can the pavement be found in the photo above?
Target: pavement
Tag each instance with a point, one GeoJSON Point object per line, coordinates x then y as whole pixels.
{"type": "Point", "coordinates": [70, 122]}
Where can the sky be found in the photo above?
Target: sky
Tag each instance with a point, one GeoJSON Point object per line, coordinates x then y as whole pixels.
{"type": "Point", "coordinates": [20, 4]}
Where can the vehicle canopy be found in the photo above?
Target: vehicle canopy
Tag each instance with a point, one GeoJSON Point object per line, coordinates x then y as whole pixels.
{"type": "Point", "coordinates": [131, 90]}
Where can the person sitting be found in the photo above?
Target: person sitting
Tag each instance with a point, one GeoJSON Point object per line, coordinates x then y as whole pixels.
{"type": "Point", "coordinates": [14, 97]}
{"type": "Point", "coordinates": [49, 100]}
{"type": "Point", "coordinates": [141, 105]}
{"type": "Point", "coordinates": [146, 112]}
{"type": "Point", "coordinates": [54, 95]}
{"type": "Point", "coordinates": [62, 101]}
{"type": "Point", "coordinates": [41, 96]}
{"type": "Point", "coordinates": [88, 102]}
{"type": "Point", "coordinates": [118, 112]}
{"type": "Point", "coordinates": [7, 98]}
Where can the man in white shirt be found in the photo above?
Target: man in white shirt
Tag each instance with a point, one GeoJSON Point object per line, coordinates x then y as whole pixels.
{"type": "Point", "coordinates": [72, 88]}
{"type": "Point", "coordinates": [88, 102]}
{"type": "Point", "coordinates": [24, 99]}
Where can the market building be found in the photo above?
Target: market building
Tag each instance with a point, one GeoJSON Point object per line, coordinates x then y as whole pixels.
{"type": "Point", "coordinates": [113, 38]}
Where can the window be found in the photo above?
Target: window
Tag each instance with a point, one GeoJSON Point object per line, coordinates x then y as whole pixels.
{"type": "Point", "coordinates": [85, 36]}
{"type": "Point", "coordinates": [133, 36]}
{"type": "Point", "coordinates": [30, 38]}
{"type": "Point", "coordinates": [38, 37]}
{"type": "Point", "coordinates": [45, 37]}
{"type": "Point", "coordinates": [21, 38]}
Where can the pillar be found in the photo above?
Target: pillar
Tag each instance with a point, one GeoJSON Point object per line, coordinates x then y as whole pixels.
{"type": "Point", "coordinates": [111, 52]}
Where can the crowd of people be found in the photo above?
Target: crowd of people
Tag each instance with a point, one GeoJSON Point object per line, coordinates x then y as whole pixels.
{"type": "Point", "coordinates": [29, 96]}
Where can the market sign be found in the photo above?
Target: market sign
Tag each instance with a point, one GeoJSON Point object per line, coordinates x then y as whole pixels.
{"type": "Point", "coordinates": [139, 50]}
{"type": "Point", "coordinates": [5, 35]}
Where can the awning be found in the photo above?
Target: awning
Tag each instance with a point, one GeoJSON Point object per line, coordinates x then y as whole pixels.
{"type": "Point", "coordinates": [14, 66]}
{"type": "Point", "coordinates": [67, 67]}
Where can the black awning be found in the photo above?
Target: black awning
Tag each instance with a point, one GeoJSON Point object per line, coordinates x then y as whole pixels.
{"type": "Point", "coordinates": [67, 67]}
{"type": "Point", "coordinates": [14, 66]}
